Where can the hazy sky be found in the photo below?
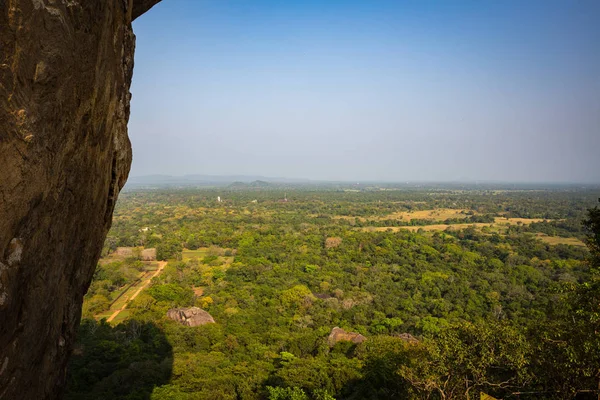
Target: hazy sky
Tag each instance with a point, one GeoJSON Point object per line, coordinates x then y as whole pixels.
{"type": "Point", "coordinates": [369, 90]}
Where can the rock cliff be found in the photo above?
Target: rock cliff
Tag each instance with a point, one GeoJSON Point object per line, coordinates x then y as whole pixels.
{"type": "Point", "coordinates": [65, 73]}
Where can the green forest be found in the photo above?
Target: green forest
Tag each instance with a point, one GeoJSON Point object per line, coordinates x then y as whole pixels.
{"type": "Point", "coordinates": [457, 293]}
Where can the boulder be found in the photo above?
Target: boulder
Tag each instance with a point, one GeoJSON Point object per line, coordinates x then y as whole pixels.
{"type": "Point", "coordinates": [192, 316]}
{"type": "Point", "coordinates": [338, 334]}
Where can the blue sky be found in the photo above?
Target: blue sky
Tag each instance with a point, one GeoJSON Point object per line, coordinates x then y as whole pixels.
{"type": "Point", "coordinates": [369, 90]}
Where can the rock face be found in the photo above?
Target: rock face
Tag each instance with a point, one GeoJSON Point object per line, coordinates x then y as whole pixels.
{"type": "Point", "coordinates": [338, 335]}
{"type": "Point", "coordinates": [192, 316]}
{"type": "Point", "coordinates": [65, 73]}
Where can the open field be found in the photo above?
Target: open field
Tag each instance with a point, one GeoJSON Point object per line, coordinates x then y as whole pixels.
{"type": "Point", "coordinates": [426, 228]}
{"type": "Point", "coordinates": [202, 252]}
{"type": "Point", "coordinates": [516, 221]}
{"type": "Point", "coordinates": [499, 226]}
{"type": "Point", "coordinates": [554, 240]}
{"type": "Point", "coordinates": [499, 222]}
{"type": "Point", "coordinates": [121, 316]}
{"type": "Point", "coordinates": [122, 301]}
{"type": "Point", "coordinates": [189, 254]}
{"type": "Point", "coordinates": [440, 214]}
{"type": "Point", "coordinates": [136, 255]}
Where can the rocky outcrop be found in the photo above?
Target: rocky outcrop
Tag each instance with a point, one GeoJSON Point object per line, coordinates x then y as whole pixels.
{"type": "Point", "coordinates": [338, 335]}
{"type": "Point", "coordinates": [65, 73]}
{"type": "Point", "coordinates": [192, 316]}
{"type": "Point", "coordinates": [407, 337]}
{"type": "Point", "coordinates": [139, 7]}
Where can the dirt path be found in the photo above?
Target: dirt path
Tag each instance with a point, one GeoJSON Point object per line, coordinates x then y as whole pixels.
{"type": "Point", "coordinates": [146, 282]}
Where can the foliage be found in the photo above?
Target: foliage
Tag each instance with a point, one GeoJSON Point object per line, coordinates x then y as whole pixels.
{"type": "Point", "coordinates": [122, 362]}
{"type": "Point", "coordinates": [493, 308]}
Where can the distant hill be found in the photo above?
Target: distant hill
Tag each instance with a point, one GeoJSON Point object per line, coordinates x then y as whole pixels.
{"type": "Point", "coordinates": [238, 185]}
{"type": "Point", "coordinates": [259, 184]}
{"type": "Point", "coordinates": [252, 185]}
{"type": "Point", "coordinates": [239, 181]}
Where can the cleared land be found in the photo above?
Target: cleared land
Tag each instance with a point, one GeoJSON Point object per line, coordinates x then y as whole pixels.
{"type": "Point", "coordinates": [427, 228]}
{"type": "Point", "coordinates": [189, 254]}
{"type": "Point", "coordinates": [443, 214]}
{"type": "Point", "coordinates": [440, 214]}
{"type": "Point", "coordinates": [554, 240]}
{"type": "Point", "coordinates": [203, 252]}
{"type": "Point", "coordinates": [499, 225]}
{"type": "Point", "coordinates": [131, 293]}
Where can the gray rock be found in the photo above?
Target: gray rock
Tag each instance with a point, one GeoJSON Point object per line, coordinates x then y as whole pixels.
{"type": "Point", "coordinates": [192, 316]}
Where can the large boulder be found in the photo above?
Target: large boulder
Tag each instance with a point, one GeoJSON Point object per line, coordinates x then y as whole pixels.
{"type": "Point", "coordinates": [192, 316]}
{"type": "Point", "coordinates": [338, 334]}
{"type": "Point", "coordinates": [65, 72]}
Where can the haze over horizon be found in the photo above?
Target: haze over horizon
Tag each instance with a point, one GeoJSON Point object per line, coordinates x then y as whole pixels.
{"type": "Point", "coordinates": [371, 91]}
{"type": "Point", "coordinates": [192, 179]}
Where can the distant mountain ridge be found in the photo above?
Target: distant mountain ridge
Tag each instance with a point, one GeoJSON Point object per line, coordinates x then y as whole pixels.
{"type": "Point", "coordinates": [209, 180]}
{"type": "Point", "coordinates": [253, 184]}
{"type": "Point", "coordinates": [258, 181]}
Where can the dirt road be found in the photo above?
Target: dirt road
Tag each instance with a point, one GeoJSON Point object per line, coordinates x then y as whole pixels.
{"type": "Point", "coordinates": [144, 284]}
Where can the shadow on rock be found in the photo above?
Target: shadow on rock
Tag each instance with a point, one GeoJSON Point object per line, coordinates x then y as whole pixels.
{"type": "Point", "coordinates": [123, 362]}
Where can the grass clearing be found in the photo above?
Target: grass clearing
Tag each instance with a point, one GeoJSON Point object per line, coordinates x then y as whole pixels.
{"type": "Point", "coordinates": [119, 306]}
{"type": "Point", "coordinates": [554, 240]}
{"type": "Point", "coordinates": [438, 214]}
{"type": "Point", "coordinates": [517, 221]}
{"type": "Point", "coordinates": [498, 225]}
{"type": "Point", "coordinates": [105, 314]}
{"type": "Point", "coordinates": [189, 254]}
{"type": "Point", "coordinates": [122, 316]}
{"type": "Point", "coordinates": [426, 228]}
{"type": "Point", "coordinates": [202, 252]}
